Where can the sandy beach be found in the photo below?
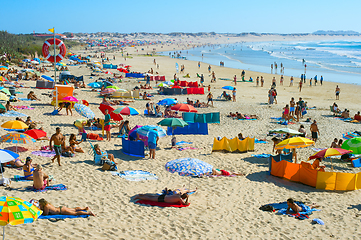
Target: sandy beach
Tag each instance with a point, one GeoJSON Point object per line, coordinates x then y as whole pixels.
{"type": "Point", "coordinates": [222, 207]}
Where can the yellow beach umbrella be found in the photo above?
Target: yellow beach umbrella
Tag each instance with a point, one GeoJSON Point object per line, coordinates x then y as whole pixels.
{"type": "Point", "coordinates": [295, 142]}
{"type": "Point", "coordinates": [15, 211]}
{"type": "Point", "coordinates": [3, 96]}
{"type": "Point", "coordinates": [14, 124]}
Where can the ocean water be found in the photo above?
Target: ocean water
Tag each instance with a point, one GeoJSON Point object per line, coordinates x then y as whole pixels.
{"type": "Point", "coordinates": [336, 61]}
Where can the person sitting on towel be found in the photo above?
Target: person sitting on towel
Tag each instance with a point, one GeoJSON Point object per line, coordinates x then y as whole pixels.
{"type": "Point", "coordinates": [175, 199]}
{"type": "Point", "coordinates": [32, 96]}
{"type": "Point", "coordinates": [40, 178]}
{"type": "Point", "coordinates": [49, 209]}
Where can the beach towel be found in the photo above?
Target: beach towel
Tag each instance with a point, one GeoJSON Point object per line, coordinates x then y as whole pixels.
{"type": "Point", "coordinates": [161, 204]}
{"type": "Point", "coordinates": [137, 175]}
{"type": "Point", "coordinates": [247, 119]}
{"type": "Point", "coordinates": [94, 136]}
{"type": "Point", "coordinates": [18, 178]}
{"type": "Point", "coordinates": [61, 216]}
{"type": "Point", "coordinates": [23, 107]}
{"type": "Point", "coordinates": [262, 155]}
{"type": "Point", "coordinates": [185, 148]}
{"type": "Point", "coordinates": [282, 207]}
{"type": "Point", "coordinates": [25, 99]}
{"type": "Point", "coordinates": [259, 141]}
{"type": "Point", "coordinates": [277, 118]}
{"type": "Point", "coordinates": [13, 114]}
{"type": "Point", "coordinates": [183, 142]}
{"type": "Point", "coordinates": [44, 153]}
{"type": "Point", "coordinates": [57, 187]}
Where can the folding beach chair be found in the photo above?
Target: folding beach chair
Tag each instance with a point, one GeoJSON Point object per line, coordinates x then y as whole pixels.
{"type": "Point", "coordinates": [97, 158]}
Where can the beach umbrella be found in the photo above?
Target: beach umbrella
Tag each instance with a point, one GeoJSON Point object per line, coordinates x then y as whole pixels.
{"type": "Point", "coordinates": [3, 68]}
{"type": "Point", "coordinates": [3, 79]}
{"type": "Point", "coordinates": [15, 211]}
{"type": "Point", "coordinates": [7, 156]}
{"type": "Point", "coordinates": [285, 130]}
{"type": "Point", "coordinates": [17, 138]}
{"type": "Point", "coordinates": [167, 101]}
{"type": "Point", "coordinates": [2, 107]}
{"type": "Point", "coordinates": [169, 82]}
{"type": "Point", "coordinates": [47, 78]}
{"type": "Point", "coordinates": [114, 87]}
{"type": "Point", "coordinates": [183, 108]}
{"type": "Point", "coordinates": [126, 111]}
{"type": "Point", "coordinates": [107, 83]}
{"type": "Point", "coordinates": [34, 62]}
{"type": "Point", "coordinates": [162, 85]}
{"type": "Point", "coordinates": [5, 90]}
{"type": "Point", "coordinates": [295, 142]}
{"type": "Point", "coordinates": [35, 133]}
{"type": "Point", "coordinates": [3, 96]}
{"type": "Point", "coordinates": [328, 153]}
{"type": "Point", "coordinates": [228, 87]}
{"type": "Point", "coordinates": [70, 99]}
{"type": "Point", "coordinates": [84, 111]}
{"type": "Point", "coordinates": [107, 91]}
{"type": "Point", "coordinates": [144, 130]}
{"type": "Point", "coordinates": [353, 144]}
{"type": "Point", "coordinates": [123, 70]}
{"type": "Point", "coordinates": [26, 60]}
{"type": "Point", "coordinates": [121, 90]}
{"type": "Point", "coordinates": [14, 124]}
{"type": "Point", "coordinates": [188, 167]}
{"type": "Point", "coordinates": [95, 85]}
{"type": "Point", "coordinates": [173, 122]}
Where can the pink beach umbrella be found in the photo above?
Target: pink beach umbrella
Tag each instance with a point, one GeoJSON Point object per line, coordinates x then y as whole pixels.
{"type": "Point", "coordinates": [70, 99]}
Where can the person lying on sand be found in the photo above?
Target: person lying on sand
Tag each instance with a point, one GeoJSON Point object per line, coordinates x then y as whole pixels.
{"type": "Point", "coordinates": [49, 209]}
{"type": "Point", "coordinates": [217, 172]}
{"type": "Point", "coordinates": [294, 208]}
{"type": "Point", "coordinates": [15, 163]}
{"type": "Point", "coordinates": [176, 198]}
{"type": "Point", "coordinates": [242, 116]}
{"type": "Point", "coordinates": [32, 96]}
{"type": "Point", "coordinates": [232, 114]}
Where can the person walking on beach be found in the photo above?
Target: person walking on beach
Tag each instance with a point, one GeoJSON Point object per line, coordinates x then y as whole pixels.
{"type": "Point", "coordinates": [257, 81]}
{"type": "Point", "coordinates": [291, 81]}
{"type": "Point", "coordinates": [58, 140]}
{"type": "Point", "coordinates": [321, 80]}
{"type": "Point", "coordinates": [262, 81]}
{"type": "Point", "coordinates": [281, 80]}
{"type": "Point", "coordinates": [337, 91]}
{"type": "Point", "coordinates": [234, 94]}
{"type": "Point", "coordinates": [153, 138]}
{"type": "Point", "coordinates": [199, 64]}
{"type": "Point", "coordinates": [235, 80]}
{"type": "Point", "coordinates": [210, 98]}
{"type": "Point", "coordinates": [107, 124]}
{"type": "Point", "coordinates": [314, 131]}
{"type": "Point", "coordinates": [209, 68]}
{"type": "Point", "coordinates": [300, 85]}
{"type": "Point", "coordinates": [292, 107]}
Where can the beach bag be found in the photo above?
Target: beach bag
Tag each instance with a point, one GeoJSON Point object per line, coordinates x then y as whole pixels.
{"type": "Point", "coordinates": [109, 166]}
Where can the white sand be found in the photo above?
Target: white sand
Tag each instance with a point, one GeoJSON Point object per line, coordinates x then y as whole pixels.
{"type": "Point", "coordinates": [222, 207]}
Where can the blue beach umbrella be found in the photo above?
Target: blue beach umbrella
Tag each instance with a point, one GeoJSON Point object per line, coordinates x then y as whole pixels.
{"type": "Point", "coordinates": [143, 131]}
{"type": "Point", "coordinates": [95, 85]}
{"type": "Point", "coordinates": [188, 167]}
{"type": "Point", "coordinates": [228, 87]}
{"type": "Point", "coordinates": [47, 78]}
{"type": "Point", "coordinates": [167, 101]}
{"type": "Point", "coordinates": [84, 111]}
{"type": "Point", "coordinates": [7, 156]}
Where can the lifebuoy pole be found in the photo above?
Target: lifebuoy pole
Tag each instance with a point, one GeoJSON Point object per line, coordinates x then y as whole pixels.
{"type": "Point", "coordinates": [54, 57]}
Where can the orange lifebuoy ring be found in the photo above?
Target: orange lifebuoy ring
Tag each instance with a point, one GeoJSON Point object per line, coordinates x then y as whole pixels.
{"type": "Point", "coordinates": [58, 43]}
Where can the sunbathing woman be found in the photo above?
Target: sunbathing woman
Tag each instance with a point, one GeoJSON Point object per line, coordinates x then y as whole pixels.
{"type": "Point", "coordinates": [28, 169]}
{"type": "Point", "coordinates": [217, 172]}
{"type": "Point", "coordinates": [49, 209]}
{"type": "Point", "coordinates": [242, 116]}
{"type": "Point", "coordinates": [176, 198]}
{"type": "Point", "coordinates": [100, 152]}
{"type": "Point", "coordinates": [73, 142]}
{"type": "Point", "coordinates": [15, 163]}
{"type": "Point", "coordinates": [9, 107]}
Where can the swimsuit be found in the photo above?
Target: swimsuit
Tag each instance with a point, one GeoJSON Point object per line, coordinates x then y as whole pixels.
{"type": "Point", "coordinates": [43, 187]}
{"type": "Point", "coordinates": [30, 175]}
{"type": "Point", "coordinates": [161, 198]}
{"type": "Point", "coordinates": [57, 149]}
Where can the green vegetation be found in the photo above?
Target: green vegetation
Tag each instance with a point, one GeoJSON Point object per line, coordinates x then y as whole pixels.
{"type": "Point", "coordinates": [23, 45]}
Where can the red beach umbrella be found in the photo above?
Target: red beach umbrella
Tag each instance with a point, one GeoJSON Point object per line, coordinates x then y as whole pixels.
{"type": "Point", "coordinates": [123, 70]}
{"type": "Point", "coordinates": [183, 108]}
{"type": "Point", "coordinates": [35, 133]}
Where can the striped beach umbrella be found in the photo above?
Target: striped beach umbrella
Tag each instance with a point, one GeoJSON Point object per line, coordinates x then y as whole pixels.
{"type": "Point", "coordinates": [126, 111]}
{"type": "Point", "coordinates": [15, 211]}
{"type": "Point", "coordinates": [84, 111]}
{"type": "Point", "coordinates": [18, 138]}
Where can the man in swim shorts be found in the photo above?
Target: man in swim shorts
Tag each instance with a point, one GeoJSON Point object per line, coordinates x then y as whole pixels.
{"type": "Point", "coordinates": [58, 140]}
{"type": "Point", "coordinates": [292, 106]}
{"type": "Point", "coordinates": [107, 124]}
{"type": "Point", "coordinates": [314, 131]}
{"type": "Point", "coordinates": [337, 91]}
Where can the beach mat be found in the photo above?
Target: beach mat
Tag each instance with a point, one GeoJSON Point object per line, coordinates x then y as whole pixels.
{"type": "Point", "coordinates": [57, 187]}
{"type": "Point", "coordinates": [187, 148]}
{"type": "Point", "coordinates": [13, 114]}
{"type": "Point", "coordinates": [61, 216]}
{"type": "Point", "coordinates": [137, 175]}
{"type": "Point", "coordinates": [263, 155]}
{"type": "Point", "coordinates": [23, 107]}
{"type": "Point", "coordinates": [161, 204]}
{"type": "Point", "coordinates": [44, 153]}
{"type": "Point", "coordinates": [25, 99]}
{"type": "Point", "coordinates": [183, 142]}
{"type": "Point", "coordinates": [19, 178]}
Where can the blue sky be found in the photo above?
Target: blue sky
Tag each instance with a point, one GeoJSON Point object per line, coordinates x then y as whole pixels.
{"type": "Point", "coordinates": [234, 16]}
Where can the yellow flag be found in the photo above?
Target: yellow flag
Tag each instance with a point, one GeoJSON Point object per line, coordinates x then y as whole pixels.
{"type": "Point", "coordinates": [51, 30]}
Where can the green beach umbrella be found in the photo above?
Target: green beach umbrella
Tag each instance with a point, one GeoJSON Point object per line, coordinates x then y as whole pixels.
{"type": "Point", "coordinates": [353, 144]}
{"type": "Point", "coordinates": [114, 87]}
{"type": "Point", "coordinates": [173, 122]}
{"type": "Point", "coordinates": [2, 106]}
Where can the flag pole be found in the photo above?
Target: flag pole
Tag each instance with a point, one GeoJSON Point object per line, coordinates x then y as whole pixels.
{"type": "Point", "coordinates": [54, 56]}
